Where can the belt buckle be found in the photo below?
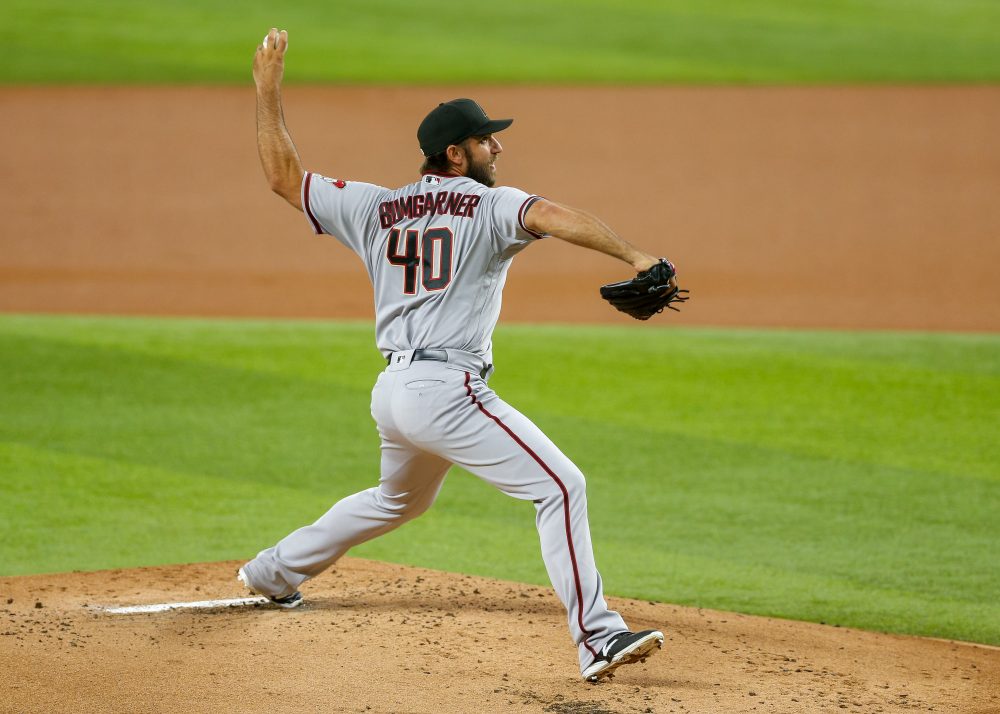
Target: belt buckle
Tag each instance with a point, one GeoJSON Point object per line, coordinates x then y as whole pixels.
{"type": "Point", "coordinates": [399, 361]}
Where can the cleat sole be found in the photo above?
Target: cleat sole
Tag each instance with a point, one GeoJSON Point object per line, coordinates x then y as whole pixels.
{"type": "Point", "coordinates": [638, 654]}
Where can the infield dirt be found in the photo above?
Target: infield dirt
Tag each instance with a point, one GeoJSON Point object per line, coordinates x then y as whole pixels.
{"type": "Point", "coordinates": [849, 208]}
{"type": "Point", "coordinates": [826, 207]}
{"type": "Point", "coordinates": [374, 637]}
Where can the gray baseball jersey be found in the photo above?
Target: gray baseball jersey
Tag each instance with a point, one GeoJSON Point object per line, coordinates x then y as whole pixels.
{"type": "Point", "coordinates": [437, 253]}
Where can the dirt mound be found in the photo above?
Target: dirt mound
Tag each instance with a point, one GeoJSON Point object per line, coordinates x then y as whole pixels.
{"type": "Point", "coordinates": [375, 637]}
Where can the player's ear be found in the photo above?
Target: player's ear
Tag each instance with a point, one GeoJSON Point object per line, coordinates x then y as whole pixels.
{"type": "Point", "coordinates": [456, 156]}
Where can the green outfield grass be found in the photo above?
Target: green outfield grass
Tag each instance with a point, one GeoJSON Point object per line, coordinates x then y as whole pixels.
{"type": "Point", "coordinates": [836, 477]}
{"type": "Point", "coordinates": [585, 41]}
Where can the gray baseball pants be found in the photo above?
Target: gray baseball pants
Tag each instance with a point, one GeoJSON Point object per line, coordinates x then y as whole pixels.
{"type": "Point", "coordinates": [431, 415]}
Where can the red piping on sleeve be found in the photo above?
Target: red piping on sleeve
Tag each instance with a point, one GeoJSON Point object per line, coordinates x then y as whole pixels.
{"type": "Point", "coordinates": [524, 209]}
{"type": "Point", "coordinates": [317, 228]}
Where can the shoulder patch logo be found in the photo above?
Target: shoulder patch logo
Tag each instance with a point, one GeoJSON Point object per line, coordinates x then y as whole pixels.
{"type": "Point", "coordinates": [432, 180]}
{"type": "Point", "coordinates": [336, 182]}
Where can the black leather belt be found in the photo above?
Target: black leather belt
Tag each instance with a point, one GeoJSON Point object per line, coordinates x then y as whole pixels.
{"type": "Point", "coordinates": [425, 356]}
{"type": "Point", "coordinates": [438, 356]}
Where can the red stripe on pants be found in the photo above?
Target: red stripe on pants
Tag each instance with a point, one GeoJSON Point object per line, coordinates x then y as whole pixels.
{"type": "Point", "coordinates": [565, 493]}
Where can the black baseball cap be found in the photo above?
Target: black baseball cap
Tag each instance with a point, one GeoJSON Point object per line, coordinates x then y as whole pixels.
{"type": "Point", "coordinates": [455, 121]}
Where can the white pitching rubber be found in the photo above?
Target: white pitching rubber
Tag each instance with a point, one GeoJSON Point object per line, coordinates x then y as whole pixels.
{"type": "Point", "coordinates": [203, 604]}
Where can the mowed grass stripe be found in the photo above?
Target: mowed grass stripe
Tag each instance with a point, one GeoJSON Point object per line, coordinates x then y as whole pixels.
{"type": "Point", "coordinates": [838, 477]}
{"type": "Point", "coordinates": [76, 512]}
{"type": "Point", "coordinates": [908, 400]}
{"type": "Point", "coordinates": [542, 41]}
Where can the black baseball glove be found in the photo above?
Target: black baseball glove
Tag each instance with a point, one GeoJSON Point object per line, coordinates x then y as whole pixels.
{"type": "Point", "coordinates": [647, 293]}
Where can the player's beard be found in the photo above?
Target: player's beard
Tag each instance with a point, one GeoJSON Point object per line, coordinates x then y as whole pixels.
{"type": "Point", "coordinates": [481, 172]}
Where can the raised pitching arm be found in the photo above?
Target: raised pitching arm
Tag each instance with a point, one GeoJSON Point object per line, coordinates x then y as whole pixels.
{"type": "Point", "coordinates": [278, 156]}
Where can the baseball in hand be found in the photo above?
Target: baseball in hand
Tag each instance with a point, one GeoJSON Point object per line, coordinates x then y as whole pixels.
{"type": "Point", "coordinates": [265, 39]}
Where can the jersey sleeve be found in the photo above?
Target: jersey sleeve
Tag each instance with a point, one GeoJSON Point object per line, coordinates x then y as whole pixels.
{"type": "Point", "coordinates": [346, 210]}
{"type": "Point", "coordinates": [507, 215]}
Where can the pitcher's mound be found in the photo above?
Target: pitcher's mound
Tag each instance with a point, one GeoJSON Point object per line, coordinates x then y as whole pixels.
{"type": "Point", "coordinates": [374, 637]}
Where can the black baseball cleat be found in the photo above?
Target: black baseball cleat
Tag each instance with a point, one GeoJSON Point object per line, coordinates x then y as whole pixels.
{"type": "Point", "coordinates": [623, 648]}
{"type": "Point", "coordinates": [287, 602]}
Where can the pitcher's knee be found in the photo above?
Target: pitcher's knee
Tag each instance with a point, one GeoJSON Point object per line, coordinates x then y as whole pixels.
{"type": "Point", "coordinates": [574, 482]}
{"type": "Point", "coordinates": [403, 506]}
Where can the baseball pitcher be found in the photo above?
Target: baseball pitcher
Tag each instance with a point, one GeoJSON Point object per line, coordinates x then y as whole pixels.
{"type": "Point", "coordinates": [437, 253]}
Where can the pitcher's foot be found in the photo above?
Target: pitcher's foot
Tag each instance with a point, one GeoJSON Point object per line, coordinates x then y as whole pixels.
{"type": "Point", "coordinates": [623, 648]}
{"type": "Point", "coordinates": [287, 602]}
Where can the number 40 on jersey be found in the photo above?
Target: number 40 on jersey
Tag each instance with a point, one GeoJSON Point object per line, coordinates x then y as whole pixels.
{"type": "Point", "coordinates": [428, 256]}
